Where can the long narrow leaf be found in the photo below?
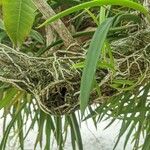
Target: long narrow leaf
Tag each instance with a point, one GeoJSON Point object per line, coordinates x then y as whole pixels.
{"type": "Point", "coordinates": [6, 134]}
{"type": "Point", "coordinates": [91, 62]}
{"type": "Point", "coordinates": [125, 3]}
{"type": "Point", "coordinates": [77, 133]}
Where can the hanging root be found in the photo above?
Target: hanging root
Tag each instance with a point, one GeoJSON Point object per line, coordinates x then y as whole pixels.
{"type": "Point", "coordinates": [55, 83]}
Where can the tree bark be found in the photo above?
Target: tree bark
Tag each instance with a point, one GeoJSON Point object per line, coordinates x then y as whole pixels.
{"type": "Point", "coordinates": [58, 25]}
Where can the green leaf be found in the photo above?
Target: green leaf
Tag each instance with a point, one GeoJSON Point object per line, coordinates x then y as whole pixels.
{"type": "Point", "coordinates": [59, 138]}
{"type": "Point", "coordinates": [37, 36]}
{"type": "Point", "coordinates": [34, 121]}
{"type": "Point", "coordinates": [9, 127]}
{"type": "Point", "coordinates": [103, 65]}
{"type": "Point", "coordinates": [2, 25]}
{"type": "Point", "coordinates": [123, 129]}
{"type": "Point", "coordinates": [42, 119]}
{"type": "Point", "coordinates": [72, 138]}
{"type": "Point", "coordinates": [127, 17]}
{"type": "Point", "coordinates": [91, 62]}
{"type": "Point", "coordinates": [146, 145]}
{"type": "Point", "coordinates": [76, 131]}
{"type": "Point", "coordinates": [20, 130]}
{"type": "Point", "coordinates": [48, 132]}
{"type": "Point", "coordinates": [129, 134]}
{"type": "Point", "coordinates": [9, 96]}
{"type": "Point", "coordinates": [125, 3]}
{"type": "Point", "coordinates": [120, 81]}
{"type": "Point", "coordinates": [18, 19]}
{"type": "Point", "coordinates": [3, 35]}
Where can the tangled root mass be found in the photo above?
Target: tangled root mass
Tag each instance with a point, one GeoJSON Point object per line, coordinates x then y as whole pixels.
{"type": "Point", "coordinates": [55, 83]}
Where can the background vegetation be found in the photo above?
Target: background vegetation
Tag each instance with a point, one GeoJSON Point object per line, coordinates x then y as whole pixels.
{"type": "Point", "coordinates": [102, 43]}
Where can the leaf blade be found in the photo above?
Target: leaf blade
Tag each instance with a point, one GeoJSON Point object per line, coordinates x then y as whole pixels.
{"type": "Point", "coordinates": [18, 19]}
{"type": "Point", "coordinates": [91, 62]}
{"type": "Point", "coordinates": [125, 3]}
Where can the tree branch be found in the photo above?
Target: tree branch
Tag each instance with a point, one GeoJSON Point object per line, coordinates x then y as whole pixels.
{"type": "Point", "coordinates": [58, 26]}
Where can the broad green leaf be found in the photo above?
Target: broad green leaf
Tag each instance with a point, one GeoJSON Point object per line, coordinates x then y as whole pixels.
{"type": "Point", "coordinates": [34, 34]}
{"type": "Point", "coordinates": [91, 62]}
{"type": "Point", "coordinates": [18, 19]}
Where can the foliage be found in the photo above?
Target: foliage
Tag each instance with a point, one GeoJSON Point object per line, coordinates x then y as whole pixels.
{"type": "Point", "coordinates": [131, 102]}
{"type": "Point", "coordinates": [18, 19]}
{"type": "Point", "coordinates": [125, 3]}
{"type": "Point", "coordinates": [91, 62]}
